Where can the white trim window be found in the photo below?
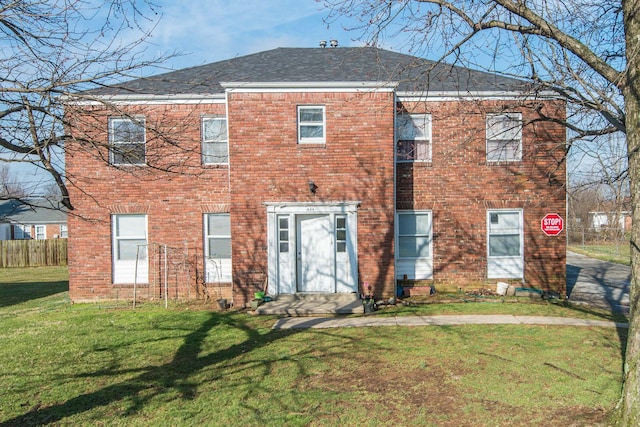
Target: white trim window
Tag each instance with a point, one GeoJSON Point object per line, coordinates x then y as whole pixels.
{"type": "Point", "coordinates": [311, 124]}
{"type": "Point", "coordinates": [215, 140]}
{"type": "Point", "coordinates": [504, 137]}
{"type": "Point", "coordinates": [413, 138]}
{"type": "Point", "coordinates": [127, 141]}
{"type": "Point", "coordinates": [217, 247]}
{"type": "Point", "coordinates": [64, 231]}
{"type": "Point", "coordinates": [414, 256]}
{"type": "Point", "coordinates": [505, 246]}
{"type": "Point", "coordinates": [130, 248]}
{"type": "Point", "coordinates": [41, 232]}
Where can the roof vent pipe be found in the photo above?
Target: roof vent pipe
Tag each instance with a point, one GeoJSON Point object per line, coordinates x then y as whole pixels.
{"type": "Point", "coordinates": [323, 43]}
{"type": "Point", "coordinates": [334, 43]}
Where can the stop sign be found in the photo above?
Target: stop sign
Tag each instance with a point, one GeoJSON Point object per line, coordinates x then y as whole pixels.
{"type": "Point", "coordinates": [552, 224]}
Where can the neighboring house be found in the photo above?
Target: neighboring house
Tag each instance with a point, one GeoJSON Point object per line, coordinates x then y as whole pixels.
{"type": "Point", "coordinates": [32, 219]}
{"type": "Point", "coordinates": [311, 170]}
{"type": "Point", "coordinates": [610, 220]}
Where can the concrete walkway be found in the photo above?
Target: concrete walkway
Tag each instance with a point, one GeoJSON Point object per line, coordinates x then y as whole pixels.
{"type": "Point", "coordinates": [589, 281]}
{"type": "Point", "coordinates": [353, 322]}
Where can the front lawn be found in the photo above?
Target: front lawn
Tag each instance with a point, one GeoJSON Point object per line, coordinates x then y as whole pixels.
{"type": "Point", "coordinates": [65, 364]}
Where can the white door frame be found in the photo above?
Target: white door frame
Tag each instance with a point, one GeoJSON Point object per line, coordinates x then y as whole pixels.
{"type": "Point", "coordinates": [282, 259]}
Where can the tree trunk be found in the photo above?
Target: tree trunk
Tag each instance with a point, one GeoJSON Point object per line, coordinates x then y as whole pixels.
{"type": "Point", "coordinates": [630, 402]}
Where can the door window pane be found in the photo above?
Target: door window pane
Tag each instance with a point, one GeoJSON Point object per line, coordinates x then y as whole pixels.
{"type": "Point", "coordinates": [505, 234]}
{"type": "Point", "coordinates": [504, 245]}
{"type": "Point", "coordinates": [283, 234]}
{"type": "Point", "coordinates": [341, 234]}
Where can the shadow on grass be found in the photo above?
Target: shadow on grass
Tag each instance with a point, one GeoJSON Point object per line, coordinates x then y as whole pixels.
{"type": "Point", "coordinates": [17, 293]}
{"type": "Point", "coordinates": [154, 381]}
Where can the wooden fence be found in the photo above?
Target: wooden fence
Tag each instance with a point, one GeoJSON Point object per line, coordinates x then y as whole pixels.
{"type": "Point", "coordinates": [33, 253]}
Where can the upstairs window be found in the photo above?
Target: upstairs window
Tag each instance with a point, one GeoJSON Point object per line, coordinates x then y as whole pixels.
{"type": "Point", "coordinates": [413, 133]}
{"type": "Point", "coordinates": [504, 137]}
{"type": "Point", "coordinates": [215, 142]}
{"type": "Point", "coordinates": [311, 125]}
{"type": "Point", "coordinates": [127, 141]}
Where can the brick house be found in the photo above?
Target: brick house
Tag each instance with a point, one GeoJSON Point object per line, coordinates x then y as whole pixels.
{"type": "Point", "coordinates": [311, 170]}
{"type": "Point", "coordinates": [37, 219]}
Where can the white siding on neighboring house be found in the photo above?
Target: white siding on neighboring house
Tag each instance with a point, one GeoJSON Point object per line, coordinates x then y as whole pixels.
{"type": "Point", "coordinates": [600, 220]}
{"type": "Point", "coordinates": [5, 231]}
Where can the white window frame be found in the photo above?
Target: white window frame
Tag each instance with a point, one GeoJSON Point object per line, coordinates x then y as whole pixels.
{"type": "Point", "coordinates": [40, 232]}
{"type": "Point", "coordinates": [417, 134]}
{"type": "Point", "coordinates": [114, 143]}
{"type": "Point", "coordinates": [505, 266]}
{"type": "Point", "coordinates": [428, 236]}
{"type": "Point", "coordinates": [64, 231]}
{"type": "Point", "coordinates": [302, 124]}
{"type": "Point", "coordinates": [125, 268]}
{"type": "Point", "coordinates": [414, 267]}
{"type": "Point", "coordinates": [221, 139]}
{"type": "Point", "coordinates": [217, 269]}
{"type": "Point", "coordinates": [503, 130]}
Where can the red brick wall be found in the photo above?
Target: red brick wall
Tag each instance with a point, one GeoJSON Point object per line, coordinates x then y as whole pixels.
{"type": "Point", "coordinates": [459, 186]}
{"type": "Point", "coordinates": [174, 192]}
{"type": "Point", "coordinates": [268, 165]}
{"type": "Point", "coordinates": [356, 164]}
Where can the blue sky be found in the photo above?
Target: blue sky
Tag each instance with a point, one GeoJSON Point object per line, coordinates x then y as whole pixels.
{"type": "Point", "coordinates": [205, 31]}
{"type": "Point", "coordinates": [212, 30]}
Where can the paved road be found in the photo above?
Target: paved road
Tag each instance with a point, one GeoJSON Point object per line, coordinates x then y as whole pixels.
{"type": "Point", "coordinates": [600, 283]}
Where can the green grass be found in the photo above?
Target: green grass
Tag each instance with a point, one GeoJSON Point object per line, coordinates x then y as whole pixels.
{"type": "Point", "coordinates": [618, 253]}
{"type": "Point", "coordinates": [65, 364]}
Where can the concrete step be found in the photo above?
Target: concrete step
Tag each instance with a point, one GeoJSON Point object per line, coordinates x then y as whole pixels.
{"type": "Point", "coordinates": [320, 297]}
{"type": "Point", "coordinates": [312, 304]}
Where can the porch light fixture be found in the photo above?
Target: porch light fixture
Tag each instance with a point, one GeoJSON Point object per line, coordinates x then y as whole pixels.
{"type": "Point", "coordinates": [312, 187]}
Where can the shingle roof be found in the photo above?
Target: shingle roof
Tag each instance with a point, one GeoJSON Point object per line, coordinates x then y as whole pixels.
{"type": "Point", "coordinates": [299, 65]}
{"type": "Point", "coordinates": [31, 212]}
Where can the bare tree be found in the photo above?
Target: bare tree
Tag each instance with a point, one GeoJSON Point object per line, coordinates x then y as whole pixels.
{"type": "Point", "coordinates": [10, 187]}
{"type": "Point", "coordinates": [51, 53]}
{"type": "Point", "coordinates": [587, 52]}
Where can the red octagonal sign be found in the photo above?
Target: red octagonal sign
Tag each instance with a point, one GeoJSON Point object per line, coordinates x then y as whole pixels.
{"type": "Point", "coordinates": [552, 224]}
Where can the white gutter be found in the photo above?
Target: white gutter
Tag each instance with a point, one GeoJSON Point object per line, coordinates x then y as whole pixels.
{"type": "Point", "coordinates": [475, 95]}
{"type": "Point", "coordinates": [246, 87]}
{"type": "Point", "coordinates": [147, 99]}
{"type": "Point", "coordinates": [309, 86]}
